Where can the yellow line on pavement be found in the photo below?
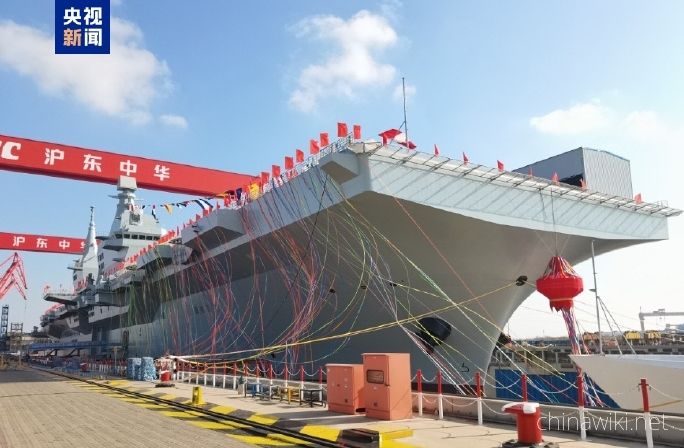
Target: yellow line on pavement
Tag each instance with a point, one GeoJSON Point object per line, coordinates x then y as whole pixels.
{"type": "Point", "coordinates": [259, 440]}
{"type": "Point", "coordinates": [322, 432]}
{"type": "Point", "coordinates": [152, 406]}
{"type": "Point", "coordinates": [222, 409]}
{"type": "Point", "coordinates": [262, 419]}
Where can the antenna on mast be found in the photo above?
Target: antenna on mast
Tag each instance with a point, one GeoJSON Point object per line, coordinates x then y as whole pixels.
{"type": "Point", "coordinates": [403, 90]}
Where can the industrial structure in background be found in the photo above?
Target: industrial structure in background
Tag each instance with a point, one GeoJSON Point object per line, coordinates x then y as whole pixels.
{"type": "Point", "coordinates": [4, 322]}
{"type": "Point", "coordinates": [658, 313]}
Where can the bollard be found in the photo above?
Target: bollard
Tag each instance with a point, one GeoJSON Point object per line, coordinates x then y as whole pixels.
{"type": "Point", "coordinates": [225, 372]}
{"type": "Point", "coordinates": [478, 392]}
{"type": "Point", "coordinates": [301, 381]}
{"type": "Point", "coordinates": [440, 397]}
{"type": "Point", "coordinates": [527, 421]}
{"type": "Point", "coordinates": [270, 373]}
{"type": "Point", "coordinates": [213, 375]}
{"type": "Point", "coordinates": [523, 384]}
{"type": "Point", "coordinates": [419, 387]}
{"type": "Point", "coordinates": [580, 405]}
{"type": "Point", "coordinates": [205, 368]}
{"type": "Point", "coordinates": [197, 399]}
{"type": "Point", "coordinates": [287, 375]}
{"type": "Point", "coordinates": [647, 413]}
{"type": "Point", "coordinates": [258, 373]}
{"type": "Point", "coordinates": [235, 376]}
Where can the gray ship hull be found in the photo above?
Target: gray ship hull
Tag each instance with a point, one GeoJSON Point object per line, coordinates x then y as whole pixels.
{"type": "Point", "coordinates": [352, 254]}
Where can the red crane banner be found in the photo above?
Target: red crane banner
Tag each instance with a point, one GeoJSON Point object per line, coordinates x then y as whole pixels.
{"type": "Point", "coordinates": [51, 159]}
{"type": "Point", "coordinates": [41, 243]}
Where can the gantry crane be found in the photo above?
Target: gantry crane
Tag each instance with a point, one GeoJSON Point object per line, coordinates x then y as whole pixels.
{"type": "Point", "coordinates": [660, 312]}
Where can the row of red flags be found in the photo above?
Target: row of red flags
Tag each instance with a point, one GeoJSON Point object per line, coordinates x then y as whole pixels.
{"type": "Point", "coordinates": [400, 137]}
{"type": "Point", "coordinates": [314, 148]}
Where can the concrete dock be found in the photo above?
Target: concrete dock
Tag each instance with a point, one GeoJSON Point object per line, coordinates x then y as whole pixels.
{"type": "Point", "coordinates": [44, 411]}
{"type": "Point", "coordinates": [40, 409]}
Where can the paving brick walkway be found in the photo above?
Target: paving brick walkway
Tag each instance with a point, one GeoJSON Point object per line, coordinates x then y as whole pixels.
{"type": "Point", "coordinates": [42, 411]}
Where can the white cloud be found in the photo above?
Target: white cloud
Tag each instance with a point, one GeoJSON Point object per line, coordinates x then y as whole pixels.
{"type": "Point", "coordinates": [390, 9]}
{"type": "Point", "coordinates": [398, 96]}
{"type": "Point", "coordinates": [174, 121]}
{"type": "Point", "coordinates": [122, 84]}
{"type": "Point", "coordinates": [352, 65]}
{"type": "Point", "coordinates": [646, 124]}
{"type": "Point", "coordinates": [578, 119]}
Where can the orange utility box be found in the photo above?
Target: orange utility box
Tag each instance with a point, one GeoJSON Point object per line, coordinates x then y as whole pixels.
{"type": "Point", "coordinates": [387, 385]}
{"type": "Point", "coordinates": [345, 387]}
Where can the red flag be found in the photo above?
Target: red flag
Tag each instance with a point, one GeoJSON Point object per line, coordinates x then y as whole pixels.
{"type": "Point", "coordinates": [325, 141]}
{"type": "Point", "coordinates": [289, 163]}
{"type": "Point", "coordinates": [583, 184]}
{"type": "Point", "coordinates": [299, 156]}
{"type": "Point", "coordinates": [436, 149]}
{"type": "Point", "coordinates": [465, 159]}
{"type": "Point", "coordinates": [554, 178]}
{"type": "Point", "coordinates": [500, 165]}
{"type": "Point", "coordinates": [398, 136]}
{"type": "Point", "coordinates": [313, 147]}
{"type": "Point", "coordinates": [264, 177]}
{"type": "Point", "coordinates": [388, 135]}
{"type": "Point", "coordinates": [357, 132]}
{"type": "Point", "coordinates": [401, 139]}
{"type": "Point", "coordinates": [275, 172]}
{"type": "Point", "coordinates": [638, 199]}
{"type": "Point", "coordinates": [342, 130]}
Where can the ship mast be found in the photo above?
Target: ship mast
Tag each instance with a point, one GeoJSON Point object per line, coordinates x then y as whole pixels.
{"type": "Point", "coordinates": [596, 297]}
{"type": "Point", "coordinates": [403, 90]}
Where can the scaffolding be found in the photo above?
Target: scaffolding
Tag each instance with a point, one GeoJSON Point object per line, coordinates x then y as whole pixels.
{"type": "Point", "coordinates": [15, 336]}
{"type": "Point", "coordinates": [4, 321]}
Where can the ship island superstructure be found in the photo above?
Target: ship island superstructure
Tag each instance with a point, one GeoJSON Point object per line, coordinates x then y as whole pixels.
{"type": "Point", "coordinates": [363, 247]}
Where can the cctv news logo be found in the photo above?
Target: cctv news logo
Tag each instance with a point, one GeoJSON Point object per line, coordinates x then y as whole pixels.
{"type": "Point", "coordinates": [82, 26]}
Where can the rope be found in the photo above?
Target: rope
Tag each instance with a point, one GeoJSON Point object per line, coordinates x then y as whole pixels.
{"type": "Point", "coordinates": [665, 394]}
{"type": "Point", "coordinates": [672, 426]}
{"type": "Point", "coordinates": [560, 391]}
{"type": "Point", "coordinates": [484, 403]}
{"type": "Point", "coordinates": [452, 403]}
{"type": "Point", "coordinates": [373, 329]}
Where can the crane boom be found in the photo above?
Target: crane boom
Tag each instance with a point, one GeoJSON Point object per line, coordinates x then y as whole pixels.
{"type": "Point", "coordinates": [14, 276]}
{"type": "Point", "coordinates": [57, 160]}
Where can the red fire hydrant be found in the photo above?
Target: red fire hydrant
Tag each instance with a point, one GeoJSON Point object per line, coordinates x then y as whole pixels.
{"type": "Point", "coordinates": [528, 421]}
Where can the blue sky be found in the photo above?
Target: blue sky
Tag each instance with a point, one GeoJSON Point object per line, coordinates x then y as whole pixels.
{"type": "Point", "coordinates": [238, 85]}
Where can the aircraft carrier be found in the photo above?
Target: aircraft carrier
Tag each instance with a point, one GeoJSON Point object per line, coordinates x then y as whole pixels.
{"type": "Point", "coordinates": [363, 247]}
